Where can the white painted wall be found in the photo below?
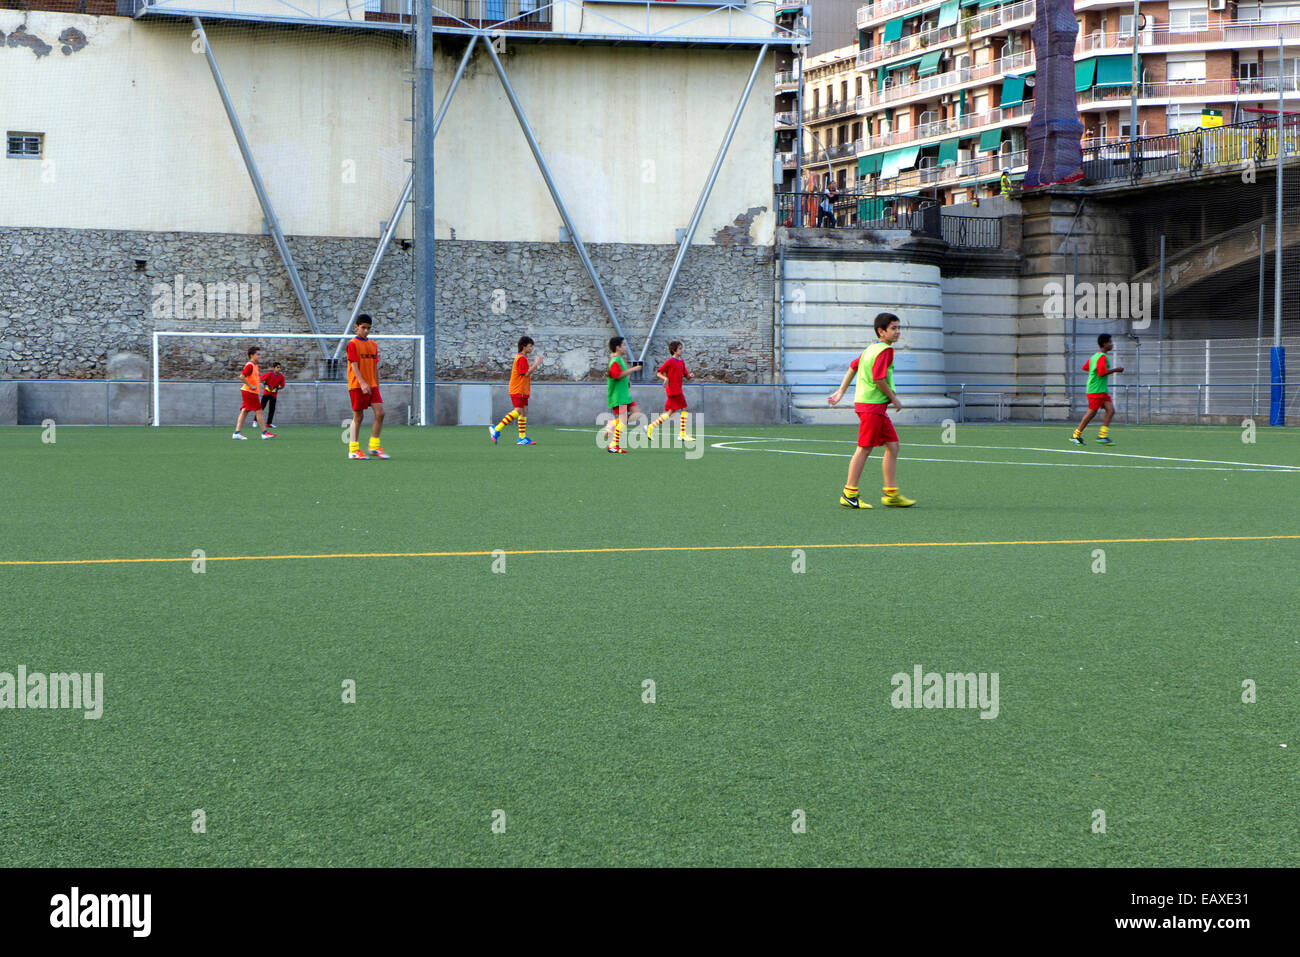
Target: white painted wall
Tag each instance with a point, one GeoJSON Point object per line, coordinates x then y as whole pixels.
{"type": "Point", "coordinates": [136, 137]}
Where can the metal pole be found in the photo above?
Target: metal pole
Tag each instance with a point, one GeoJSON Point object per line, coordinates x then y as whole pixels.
{"type": "Point", "coordinates": [422, 174]}
{"type": "Point", "coordinates": [1133, 96]}
{"type": "Point", "coordinates": [704, 199]}
{"type": "Point", "coordinates": [798, 148]}
{"type": "Point", "coordinates": [1259, 316]}
{"type": "Point", "coordinates": [1277, 410]}
{"type": "Point", "coordinates": [391, 229]}
{"type": "Point", "coordinates": [554, 190]}
{"type": "Point", "coordinates": [155, 379]}
{"type": "Point", "coordinates": [272, 224]}
{"type": "Point", "coordinates": [1160, 325]}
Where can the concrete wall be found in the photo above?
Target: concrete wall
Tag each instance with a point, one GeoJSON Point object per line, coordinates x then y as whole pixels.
{"type": "Point", "coordinates": [136, 137]}
{"type": "Point", "coordinates": [76, 297]}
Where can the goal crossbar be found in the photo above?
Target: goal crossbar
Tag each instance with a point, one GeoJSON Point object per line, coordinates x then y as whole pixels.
{"type": "Point", "coordinates": [418, 372]}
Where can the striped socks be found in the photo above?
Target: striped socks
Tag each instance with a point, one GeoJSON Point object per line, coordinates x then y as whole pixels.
{"type": "Point", "coordinates": [850, 491]}
{"type": "Point", "coordinates": [523, 425]}
{"type": "Point", "coordinates": [510, 417]}
{"type": "Point", "coordinates": [682, 416]}
{"type": "Point", "coordinates": [618, 434]}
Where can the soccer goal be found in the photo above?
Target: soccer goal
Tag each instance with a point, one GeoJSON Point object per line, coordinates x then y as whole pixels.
{"type": "Point", "coordinates": [195, 381]}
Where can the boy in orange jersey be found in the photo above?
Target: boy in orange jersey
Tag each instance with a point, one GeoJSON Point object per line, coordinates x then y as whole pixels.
{"type": "Point", "coordinates": [521, 379]}
{"type": "Point", "coordinates": [363, 389]}
{"type": "Point", "coordinates": [250, 392]}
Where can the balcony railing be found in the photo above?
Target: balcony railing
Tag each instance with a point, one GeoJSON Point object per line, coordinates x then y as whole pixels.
{"type": "Point", "coordinates": [942, 81]}
{"type": "Point", "coordinates": [935, 176]}
{"type": "Point", "coordinates": [986, 20]}
{"type": "Point", "coordinates": [787, 78]}
{"type": "Point", "coordinates": [838, 108]}
{"type": "Point", "coordinates": [948, 127]}
{"type": "Point", "coordinates": [1224, 89]}
{"type": "Point", "coordinates": [884, 8]}
{"type": "Point", "coordinates": [789, 118]}
{"type": "Point", "coordinates": [1159, 35]}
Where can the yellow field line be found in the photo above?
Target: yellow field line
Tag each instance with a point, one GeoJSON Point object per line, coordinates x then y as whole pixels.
{"type": "Point", "coordinates": [647, 548]}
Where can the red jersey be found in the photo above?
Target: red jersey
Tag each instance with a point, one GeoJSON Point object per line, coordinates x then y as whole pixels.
{"type": "Point", "coordinates": [273, 382]}
{"type": "Point", "coordinates": [521, 383]}
{"type": "Point", "coordinates": [674, 369]}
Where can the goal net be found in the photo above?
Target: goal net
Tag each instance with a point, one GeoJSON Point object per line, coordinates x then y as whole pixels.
{"type": "Point", "coordinates": [196, 377]}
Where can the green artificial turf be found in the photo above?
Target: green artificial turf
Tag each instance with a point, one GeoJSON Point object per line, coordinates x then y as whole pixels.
{"type": "Point", "coordinates": [523, 691]}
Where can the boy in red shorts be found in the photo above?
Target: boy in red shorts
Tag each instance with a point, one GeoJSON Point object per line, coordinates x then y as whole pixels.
{"type": "Point", "coordinates": [363, 388]}
{"type": "Point", "coordinates": [875, 394]}
{"type": "Point", "coordinates": [250, 393]}
{"type": "Point", "coordinates": [1099, 373]}
{"type": "Point", "coordinates": [521, 384]}
{"type": "Point", "coordinates": [672, 372]}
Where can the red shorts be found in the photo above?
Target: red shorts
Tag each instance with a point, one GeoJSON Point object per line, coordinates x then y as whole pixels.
{"type": "Point", "coordinates": [252, 402]}
{"type": "Point", "coordinates": [519, 401]}
{"type": "Point", "coordinates": [361, 401]}
{"type": "Point", "coordinates": [1097, 400]}
{"type": "Point", "coordinates": [629, 408]}
{"type": "Point", "coordinates": [675, 403]}
{"type": "Point", "coordinates": [874, 426]}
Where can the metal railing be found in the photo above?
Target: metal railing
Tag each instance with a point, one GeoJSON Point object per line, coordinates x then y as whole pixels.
{"type": "Point", "coordinates": [969, 27]}
{"type": "Point", "coordinates": [838, 108]}
{"type": "Point", "coordinates": [1193, 151]}
{"type": "Point", "coordinates": [972, 232]}
{"type": "Point", "coordinates": [945, 128]}
{"type": "Point", "coordinates": [942, 81]}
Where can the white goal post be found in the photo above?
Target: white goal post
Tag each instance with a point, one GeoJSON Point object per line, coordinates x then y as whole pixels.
{"type": "Point", "coordinates": [417, 372]}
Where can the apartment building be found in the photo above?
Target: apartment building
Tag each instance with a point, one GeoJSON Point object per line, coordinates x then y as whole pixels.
{"type": "Point", "coordinates": [943, 90]}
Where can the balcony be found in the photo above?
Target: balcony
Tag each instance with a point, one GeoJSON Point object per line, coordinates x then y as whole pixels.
{"type": "Point", "coordinates": [787, 80]}
{"type": "Point", "coordinates": [978, 167]}
{"type": "Point", "coordinates": [993, 19]}
{"type": "Point", "coordinates": [1207, 90]}
{"type": "Point", "coordinates": [787, 120]}
{"type": "Point", "coordinates": [943, 81]}
{"type": "Point", "coordinates": [946, 128]}
{"type": "Point", "coordinates": [830, 110]}
{"type": "Point", "coordinates": [866, 14]}
{"type": "Point", "coordinates": [1249, 33]}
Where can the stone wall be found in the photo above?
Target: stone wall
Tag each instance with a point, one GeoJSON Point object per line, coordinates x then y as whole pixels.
{"type": "Point", "coordinates": [75, 298]}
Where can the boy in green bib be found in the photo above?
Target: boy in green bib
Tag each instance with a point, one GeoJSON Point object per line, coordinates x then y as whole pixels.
{"type": "Point", "coordinates": [1099, 372]}
{"type": "Point", "coordinates": [875, 394]}
{"type": "Point", "coordinates": [618, 390]}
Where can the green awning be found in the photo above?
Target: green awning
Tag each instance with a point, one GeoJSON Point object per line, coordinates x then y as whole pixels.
{"type": "Point", "coordinates": [880, 78]}
{"type": "Point", "coordinates": [894, 30]}
{"type": "Point", "coordinates": [961, 111]}
{"type": "Point", "coordinates": [948, 13]}
{"type": "Point", "coordinates": [948, 152]}
{"type": "Point", "coordinates": [869, 209]}
{"type": "Point", "coordinates": [930, 64]}
{"type": "Point", "coordinates": [869, 164]}
{"type": "Point", "coordinates": [985, 4]}
{"type": "Point", "coordinates": [785, 10]}
{"type": "Point", "coordinates": [1084, 72]}
{"type": "Point", "coordinates": [901, 64]}
{"type": "Point", "coordinates": [1013, 91]}
{"type": "Point", "coordinates": [1116, 70]}
{"type": "Point", "coordinates": [897, 160]}
{"type": "Point", "coordinates": [990, 139]}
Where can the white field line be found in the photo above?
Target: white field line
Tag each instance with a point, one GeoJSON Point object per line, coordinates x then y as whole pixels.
{"type": "Point", "coordinates": [731, 440]}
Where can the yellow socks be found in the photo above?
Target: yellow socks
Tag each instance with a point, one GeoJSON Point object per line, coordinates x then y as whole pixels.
{"type": "Point", "coordinates": [510, 417]}
{"type": "Point", "coordinates": [354, 446]}
{"type": "Point", "coordinates": [374, 442]}
{"type": "Point", "coordinates": [660, 421]}
{"type": "Point", "coordinates": [523, 425]}
{"type": "Point", "coordinates": [682, 416]}
{"type": "Point", "coordinates": [1103, 431]}
{"type": "Point", "coordinates": [850, 491]}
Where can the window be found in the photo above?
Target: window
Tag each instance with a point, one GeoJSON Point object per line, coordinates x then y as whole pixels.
{"type": "Point", "coordinates": [844, 90]}
{"type": "Point", "coordinates": [24, 145]}
{"type": "Point", "coordinates": [858, 87]}
{"type": "Point", "coordinates": [1185, 67]}
{"type": "Point", "coordinates": [1248, 70]}
{"type": "Point", "coordinates": [817, 100]}
{"type": "Point", "coordinates": [1188, 16]}
{"type": "Point", "coordinates": [857, 132]}
{"type": "Point", "coordinates": [1182, 117]}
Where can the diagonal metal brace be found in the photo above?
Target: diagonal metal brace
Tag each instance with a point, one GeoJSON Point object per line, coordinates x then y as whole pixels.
{"type": "Point", "coordinates": [268, 211]}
